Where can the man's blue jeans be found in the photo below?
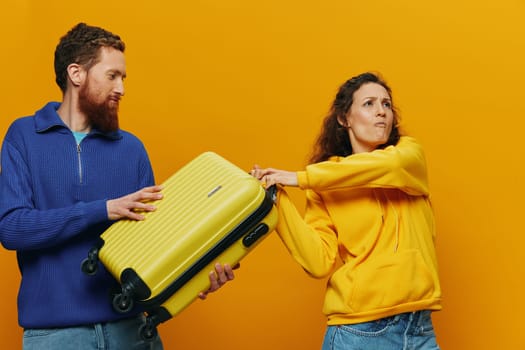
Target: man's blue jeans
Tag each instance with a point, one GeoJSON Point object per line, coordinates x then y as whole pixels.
{"type": "Point", "coordinates": [408, 331]}
{"type": "Point", "coordinates": [121, 335]}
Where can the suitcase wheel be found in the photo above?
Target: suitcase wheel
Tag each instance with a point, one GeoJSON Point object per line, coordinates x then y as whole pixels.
{"type": "Point", "coordinates": [147, 331]}
{"type": "Point", "coordinates": [90, 265]}
{"type": "Point", "coordinates": [122, 303]}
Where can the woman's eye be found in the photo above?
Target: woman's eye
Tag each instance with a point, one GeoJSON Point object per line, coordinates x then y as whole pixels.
{"type": "Point", "coordinates": [367, 103]}
{"type": "Point", "coordinates": [387, 104]}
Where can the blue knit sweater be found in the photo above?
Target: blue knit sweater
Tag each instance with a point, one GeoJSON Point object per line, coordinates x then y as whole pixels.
{"type": "Point", "coordinates": [53, 197]}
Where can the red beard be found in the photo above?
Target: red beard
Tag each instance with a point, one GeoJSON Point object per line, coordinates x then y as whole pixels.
{"type": "Point", "coordinates": [101, 115]}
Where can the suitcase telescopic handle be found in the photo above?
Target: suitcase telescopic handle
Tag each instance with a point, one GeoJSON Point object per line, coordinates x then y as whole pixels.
{"type": "Point", "coordinates": [272, 192]}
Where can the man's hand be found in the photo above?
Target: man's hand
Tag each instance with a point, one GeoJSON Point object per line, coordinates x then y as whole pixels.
{"type": "Point", "coordinates": [127, 206]}
{"type": "Point", "coordinates": [221, 275]}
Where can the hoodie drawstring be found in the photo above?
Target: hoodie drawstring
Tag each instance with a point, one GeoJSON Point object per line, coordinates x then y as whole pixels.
{"type": "Point", "coordinates": [396, 244]}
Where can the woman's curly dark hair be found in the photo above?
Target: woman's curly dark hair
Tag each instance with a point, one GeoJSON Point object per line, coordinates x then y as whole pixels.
{"type": "Point", "coordinates": [333, 139]}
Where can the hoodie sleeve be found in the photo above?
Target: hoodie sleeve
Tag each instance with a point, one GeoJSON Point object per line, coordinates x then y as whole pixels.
{"type": "Point", "coordinates": [402, 166]}
{"type": "Point", "coordinates": [311, 241]}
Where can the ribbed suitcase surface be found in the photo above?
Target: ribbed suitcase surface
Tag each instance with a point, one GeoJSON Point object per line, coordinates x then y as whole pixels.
{"type": "Point", "coordinates": [212, 211]}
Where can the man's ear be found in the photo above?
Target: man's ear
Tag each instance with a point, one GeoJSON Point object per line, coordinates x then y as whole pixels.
{"type": "Point", "coordinates": [76, 74]}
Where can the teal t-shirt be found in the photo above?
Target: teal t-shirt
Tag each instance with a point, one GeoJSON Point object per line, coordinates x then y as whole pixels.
{"type": "Point", "coordinates": [79, 136]}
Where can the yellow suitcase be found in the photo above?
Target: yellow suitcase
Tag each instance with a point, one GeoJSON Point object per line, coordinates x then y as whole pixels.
{"type": "Point", "coordinates": [212, 211]}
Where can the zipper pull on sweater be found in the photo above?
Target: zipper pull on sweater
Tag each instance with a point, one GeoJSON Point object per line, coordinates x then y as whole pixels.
{"type": "Point", "coordinates": [79, 150]}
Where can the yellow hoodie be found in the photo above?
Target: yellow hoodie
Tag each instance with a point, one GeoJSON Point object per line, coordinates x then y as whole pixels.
{"type": "Point", "coordinates": [372, 211]}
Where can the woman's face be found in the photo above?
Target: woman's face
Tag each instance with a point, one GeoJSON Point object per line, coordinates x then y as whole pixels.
{"type": "Point", "coordinates": [370, 118]}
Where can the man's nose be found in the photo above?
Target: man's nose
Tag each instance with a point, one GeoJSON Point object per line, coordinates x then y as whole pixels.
{"type": "Point", "coordinates": [119, 87]}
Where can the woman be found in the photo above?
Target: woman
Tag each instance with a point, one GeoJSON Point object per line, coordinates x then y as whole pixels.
{"type": "Point", "coordinates": [368, 224]}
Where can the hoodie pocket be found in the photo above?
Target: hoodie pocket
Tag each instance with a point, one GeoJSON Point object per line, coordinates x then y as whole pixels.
{"type": "Point", "coordinates": [388, 281]}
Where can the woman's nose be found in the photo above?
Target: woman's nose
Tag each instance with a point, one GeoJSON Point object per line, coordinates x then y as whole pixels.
{"type": "Point", "coordinates": [381, 111]}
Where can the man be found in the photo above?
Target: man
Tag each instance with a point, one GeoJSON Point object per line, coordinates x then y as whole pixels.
{"type": "Point", "coordinates": [66, 174]}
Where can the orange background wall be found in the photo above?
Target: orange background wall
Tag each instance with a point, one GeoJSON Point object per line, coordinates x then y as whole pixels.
{"type": "Point", "coordinates": [252, 80]}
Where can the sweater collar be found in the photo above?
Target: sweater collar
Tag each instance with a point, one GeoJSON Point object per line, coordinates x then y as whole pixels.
{"type": "Point", "coordinates": [47, 118]}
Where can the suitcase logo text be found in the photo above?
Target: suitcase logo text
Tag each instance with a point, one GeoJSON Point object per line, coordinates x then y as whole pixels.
{"type": "Point", "coordinates": [212, 192]}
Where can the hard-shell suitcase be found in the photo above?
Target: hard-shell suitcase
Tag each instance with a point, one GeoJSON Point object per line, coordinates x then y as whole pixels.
{"type": "Point", "coordinates": [212, 211]}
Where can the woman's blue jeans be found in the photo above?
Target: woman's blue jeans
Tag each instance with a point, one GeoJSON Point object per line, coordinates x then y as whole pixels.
{"type": "Point", "coordinates": [120, 335]}
{"type": "Point", "coordinates": [408, 331]}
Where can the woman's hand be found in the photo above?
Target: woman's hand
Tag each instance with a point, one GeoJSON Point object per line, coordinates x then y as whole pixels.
{"type": "Point", "coordinates": [271, 176]}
